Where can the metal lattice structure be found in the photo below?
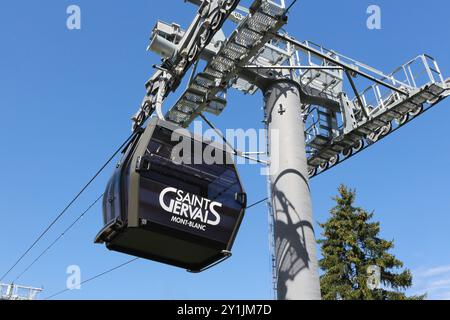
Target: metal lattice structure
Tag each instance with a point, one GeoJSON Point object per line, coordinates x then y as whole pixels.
{"type": "Point", "coordinates": [16, 292]}
{"type": "Point", "coordinates": [205, 92]}
{"type": "Point", "coordinates": [346, 105]}
{"type": "Point", "coordinates": [350, 120]}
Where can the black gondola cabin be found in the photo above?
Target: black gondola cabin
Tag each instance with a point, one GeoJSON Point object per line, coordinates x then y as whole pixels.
{"type": "Point", "coordinates": [174, 199]}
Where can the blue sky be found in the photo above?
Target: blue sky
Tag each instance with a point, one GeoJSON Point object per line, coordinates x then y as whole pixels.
{"type": "Point", "coordinates": [65, 104]}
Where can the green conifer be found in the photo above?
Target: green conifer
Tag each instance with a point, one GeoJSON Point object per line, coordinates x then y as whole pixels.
{"type": "Point", "coordinates": [352, 244]}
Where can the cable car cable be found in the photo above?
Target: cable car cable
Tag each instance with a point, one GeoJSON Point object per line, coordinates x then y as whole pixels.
{"type": "Point", "coordinates": [256, 203]}
{"type": "Point", "coordinates": [94, 277]}
{"type": "Point", "coordinates": [123, 264]}
{"type": "Point", "coordinates": [209, 123]}
{"type": "Point", "coordinates": [69, 205]}
{"type": "Point", "coordinates": [58, 238]}
{"type": "Point", "coordinates": [235, 152]}
{"type": "Point", "coordinates": [290, 6]}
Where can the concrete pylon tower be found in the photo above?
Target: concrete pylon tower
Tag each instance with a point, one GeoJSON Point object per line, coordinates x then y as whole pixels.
{"type": "Point", "coordinates": [295, 244]}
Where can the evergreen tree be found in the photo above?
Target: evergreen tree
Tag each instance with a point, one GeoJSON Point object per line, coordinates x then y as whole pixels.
{"type": "Point", "coordinates": [351, 245]}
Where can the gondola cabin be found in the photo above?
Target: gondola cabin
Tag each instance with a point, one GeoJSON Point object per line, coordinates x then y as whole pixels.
{"type": "Point", "coordinates": [174, 199]}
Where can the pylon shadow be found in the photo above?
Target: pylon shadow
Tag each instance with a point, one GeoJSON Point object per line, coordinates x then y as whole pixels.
{"type": "Point", "coordinates": [292, 254]}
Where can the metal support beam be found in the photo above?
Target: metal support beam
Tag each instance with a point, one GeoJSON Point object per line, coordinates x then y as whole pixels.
{"type": "Point", "coordinates": [355, 91]}
{"type": "Point", "coordinates": [295, 245]}
{"type": "Point", "coordinates": [338, 63]}
{"type": "Point", "coordinates": [228, 144]}
{"type": "Point", "coordinates": [293, 67]}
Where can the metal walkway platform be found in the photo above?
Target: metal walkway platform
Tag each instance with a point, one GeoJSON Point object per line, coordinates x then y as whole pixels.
{"type": "Point", "coordinates": [374, 113]}
{"type": "Point", "coordinates": [207, 90]}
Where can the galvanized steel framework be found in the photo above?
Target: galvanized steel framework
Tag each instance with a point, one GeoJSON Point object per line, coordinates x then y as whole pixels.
{"type": "Point", "coordinates": [16, 292]}
{"type": "Point", "coordinates": [326, 107]}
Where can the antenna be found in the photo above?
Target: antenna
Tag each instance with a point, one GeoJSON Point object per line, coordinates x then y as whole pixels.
{"type": "Point", "coordinates": [325, 106]}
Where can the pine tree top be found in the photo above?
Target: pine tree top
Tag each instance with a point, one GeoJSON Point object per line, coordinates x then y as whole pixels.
{"type": "Point", "coordinates": [356, 262]}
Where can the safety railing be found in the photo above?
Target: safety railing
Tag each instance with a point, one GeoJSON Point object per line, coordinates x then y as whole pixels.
{"type": "Point", "coordinates": [413, 75]}
{"type": "Point", "coordinates": [16, 292]}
